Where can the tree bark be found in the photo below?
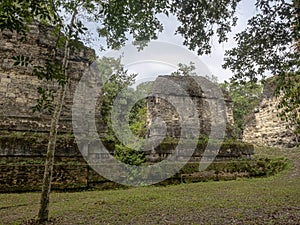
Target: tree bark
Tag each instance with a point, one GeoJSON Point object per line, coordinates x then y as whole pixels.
{"type": "Point", "coordinates": [43, 214]}
{"type": "Point", "coordinates": [48, 172]}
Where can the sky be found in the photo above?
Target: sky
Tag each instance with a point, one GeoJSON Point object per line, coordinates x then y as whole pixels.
{"type": "Point", "coordinates": [162, 56]}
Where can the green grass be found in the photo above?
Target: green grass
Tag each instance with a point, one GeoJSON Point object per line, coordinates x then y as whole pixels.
{"type": "Point", "coordinates": [272, 200]}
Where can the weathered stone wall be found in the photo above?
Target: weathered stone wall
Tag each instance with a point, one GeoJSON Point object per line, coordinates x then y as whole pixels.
{"type": "Point", "coordinates": [18, 87]}
{"type": "Point", "coordinates": [264, 127]}
{"type": "Point", "coordinates": [29, 177]}
{"type": "Point", "coordinates": [24, 134]}
{"type": "Point", "coordinates": [175, 101]}
{"type": "Point", "coordinates": [168, 107]}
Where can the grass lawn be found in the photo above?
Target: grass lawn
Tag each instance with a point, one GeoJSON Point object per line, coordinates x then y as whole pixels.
{"type": "Point", "coordinates": [272, 200]}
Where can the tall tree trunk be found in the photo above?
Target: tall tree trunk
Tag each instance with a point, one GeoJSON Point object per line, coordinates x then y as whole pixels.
{"type": "Point", "coordinates": [43, 213]}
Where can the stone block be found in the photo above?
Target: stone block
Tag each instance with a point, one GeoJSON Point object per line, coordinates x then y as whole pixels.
{"type": "Point", "coordinates": [5, 80]}
{"type": "Point", "coordinates": [10, 95]}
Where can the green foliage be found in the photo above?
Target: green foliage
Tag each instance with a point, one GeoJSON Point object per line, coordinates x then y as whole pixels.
{"type": "Point", "coordinates": [115, 79]}
{"type": "Point", "coordinates": [200, 20]}
{"type": "Point", "coordinates": [185, 70]}
{"type": "Point", "coordinates": [45, 102]}
{"type": "Point", "coordinates": [269, 45]}
{"type": "Point", "coordinates": [51, 71]}
{"type": "Point", "coordinates": [251, 168]}
{"type": "Point", "coordinates": [21, 60]}
{"type": "Point", "coordinates": [129, 156]}
{"type": "Point", "coordinates": [245, 97]}
{"type": "Point", "coordinates": [17, 14]}
{"type": "Point", "coordinates": [138, 113]}
{"type": "Point", "coordinates": [137, 119]}
{"type": "Point", "coordinates": [267, 167]}
{"type": "Point", "coordinates": [189, 70]}
{"type": "Point", "coordinates": [264, 46]}
{"type": "Point", "coordinates": [212, 78]}
{"type": "Point", "coordinates": [137, 18]}
{"type": "Point", "coordinates": [289, 87]}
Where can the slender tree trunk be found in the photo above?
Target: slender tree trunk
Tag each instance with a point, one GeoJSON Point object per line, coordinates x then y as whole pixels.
{"type": "Point", "coordinates": [46, 188]}
{"type": "Point", "coordinates": [43, 213]}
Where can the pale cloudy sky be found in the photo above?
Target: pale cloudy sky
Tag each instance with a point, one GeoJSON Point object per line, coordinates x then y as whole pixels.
{"type": "Point", "coordinates": [160, 60]}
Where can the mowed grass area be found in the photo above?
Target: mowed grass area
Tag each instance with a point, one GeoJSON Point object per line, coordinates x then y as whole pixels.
{"type": "Point", "coordinates": [272, 200]}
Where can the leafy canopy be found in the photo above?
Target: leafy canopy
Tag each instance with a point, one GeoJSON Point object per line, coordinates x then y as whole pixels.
{"type": "Point", "coordinates": [269, 44]}
{"type": "Point", "coordinates": [245, 98]}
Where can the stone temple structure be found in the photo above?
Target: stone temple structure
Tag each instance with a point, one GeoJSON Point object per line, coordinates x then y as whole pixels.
{"type": "Point", "coordinates": [24, 133]}
{"type": "Point", "coordinates": [176, 100]}
{"type": "Point", "coordinates": [176, 91]}
{"type": "Point", "coordinates": [18, 88]}
{"type": "Point", "coordinates": [18, 92]}
{"type": "Point", "coordinates": [264, 126]}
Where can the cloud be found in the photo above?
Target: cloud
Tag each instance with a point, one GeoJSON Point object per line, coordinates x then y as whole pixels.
{"type": "Point", "coordinates": [214, 61]}
{"type": "Point", "coordinates": [158, 58]}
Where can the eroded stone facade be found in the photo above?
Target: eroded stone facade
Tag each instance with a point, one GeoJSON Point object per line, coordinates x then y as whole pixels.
{"type": "Point", "coordinates": [24, 132]}
{"type": "Point", "coordinates": [18, 87]}
{"type": "Point", "coordinates": [180, 98]}
{"type": "Point", "coordinates": [181, 108]}
{"type": "Point", "coordinates": [264, 127]}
